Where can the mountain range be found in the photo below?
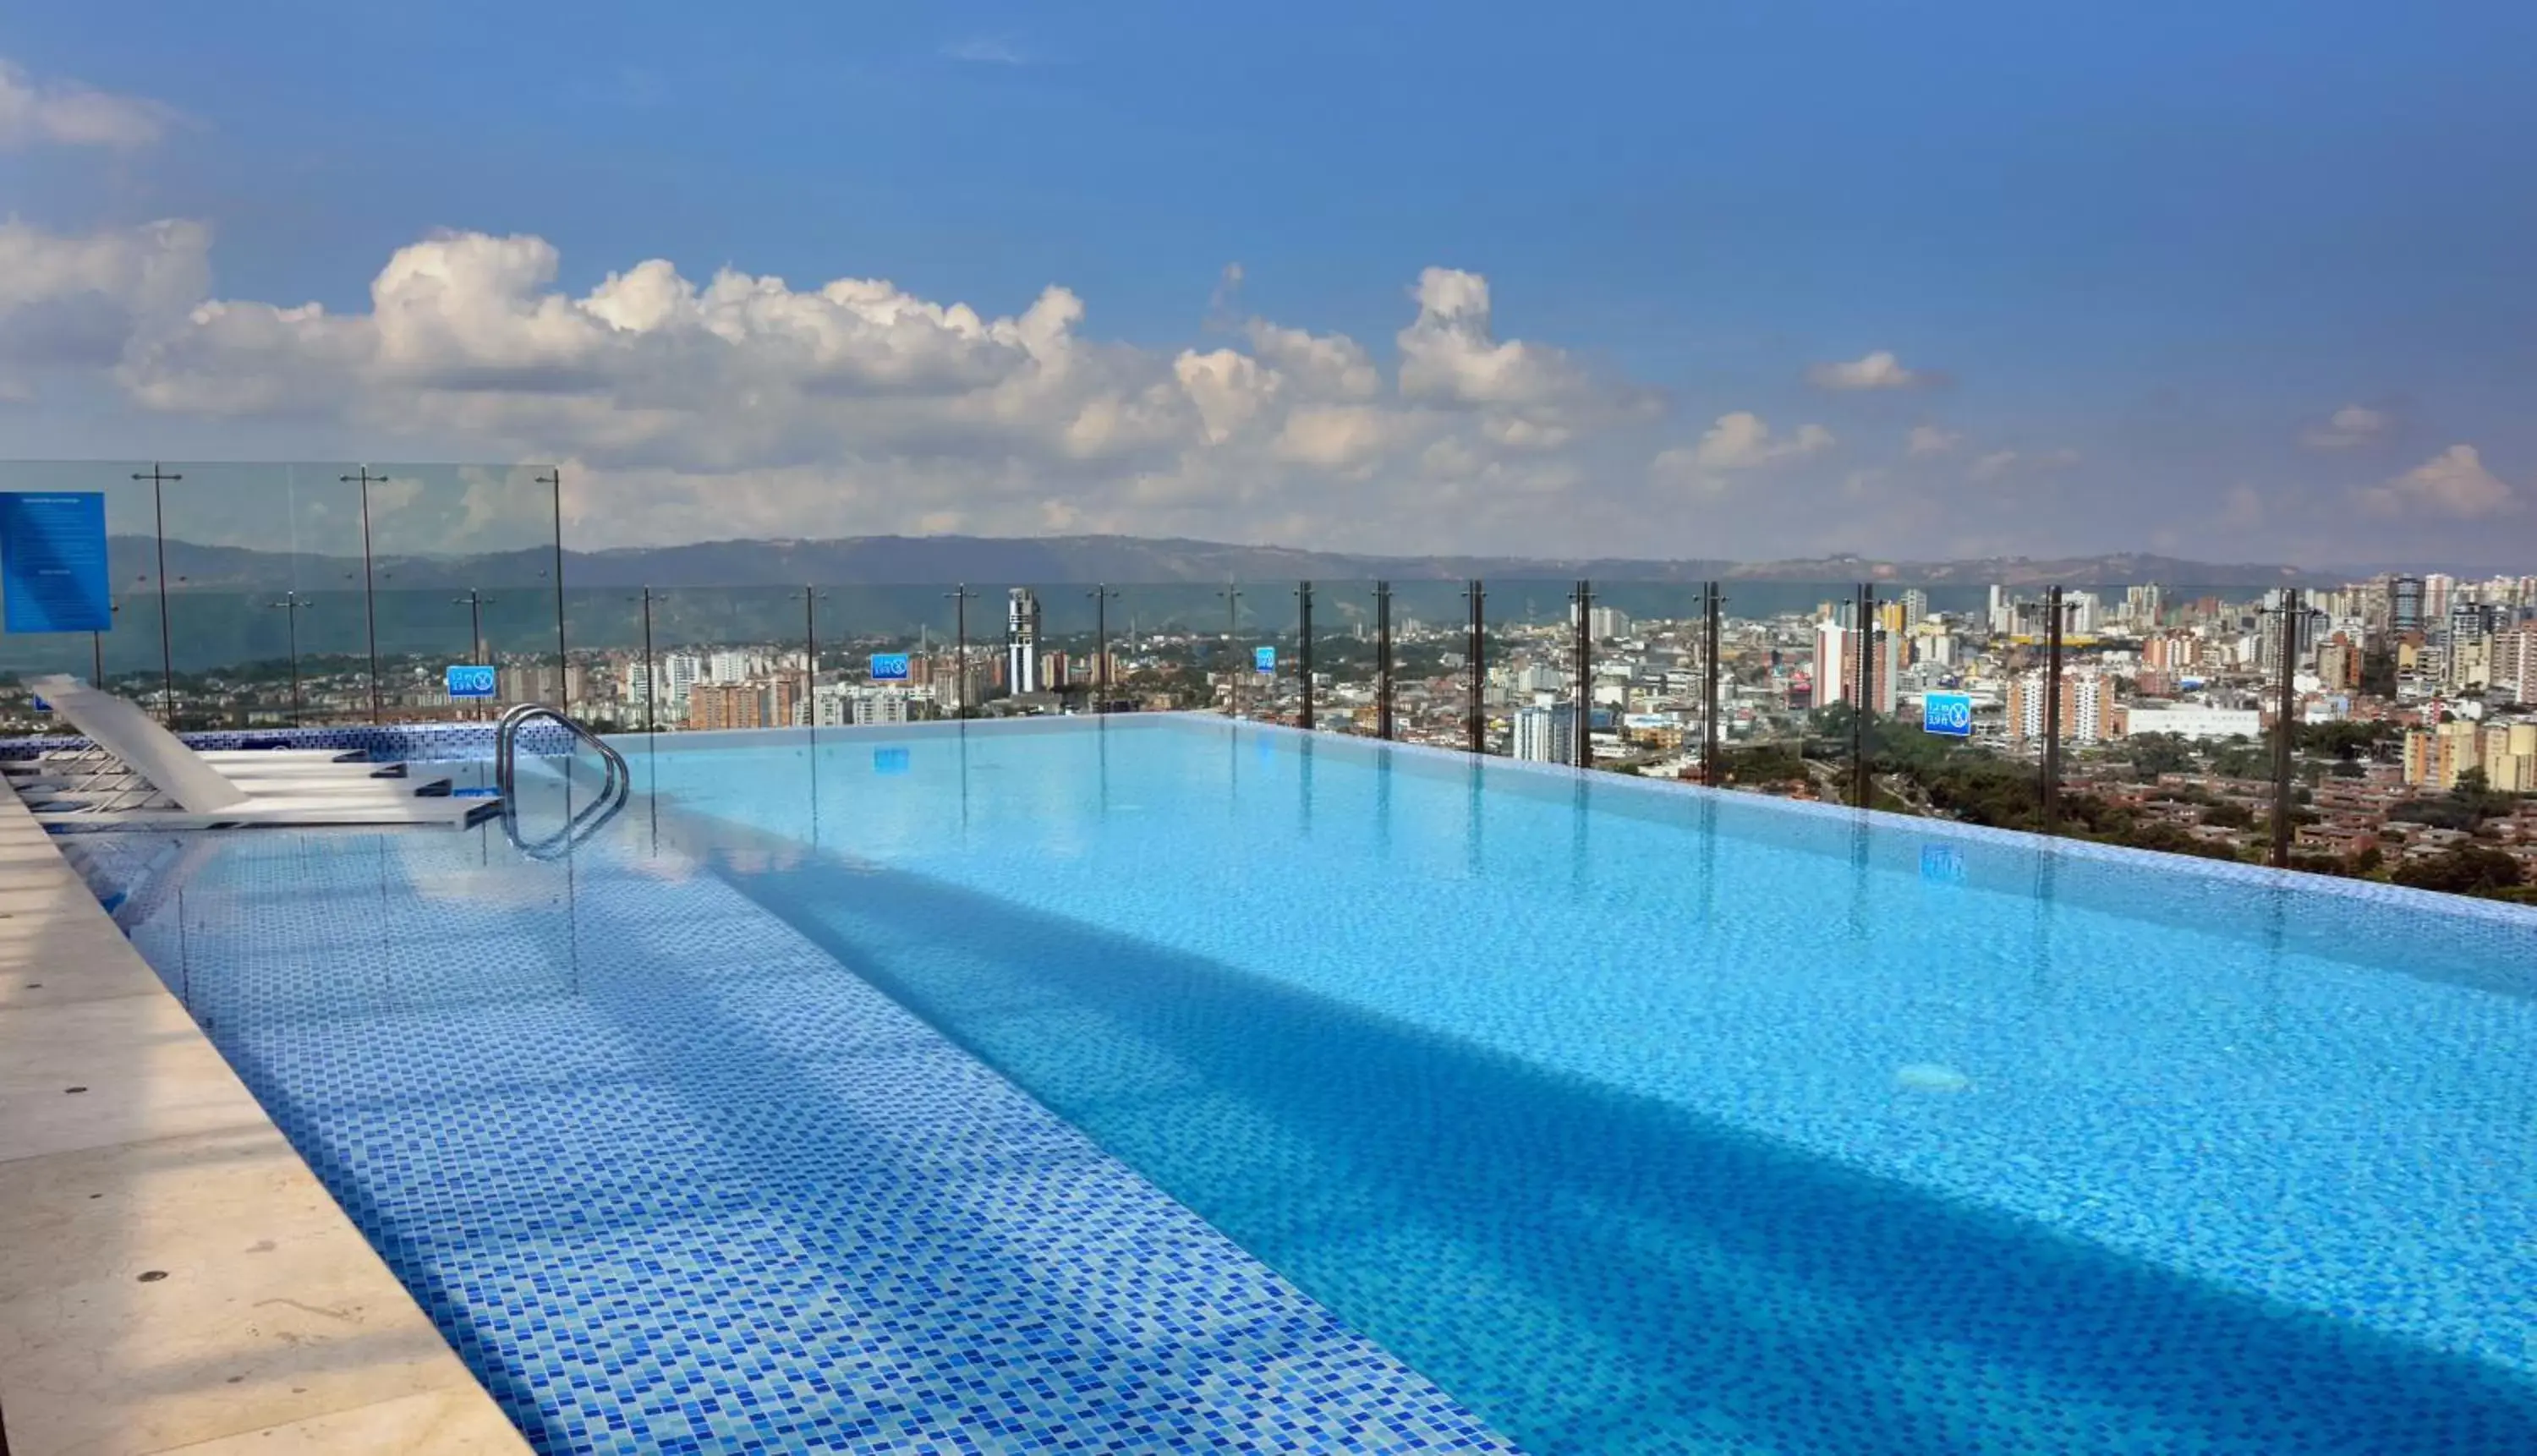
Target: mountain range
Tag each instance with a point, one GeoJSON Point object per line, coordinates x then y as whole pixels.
{"type": "Point", "coordinates": [881, 560]}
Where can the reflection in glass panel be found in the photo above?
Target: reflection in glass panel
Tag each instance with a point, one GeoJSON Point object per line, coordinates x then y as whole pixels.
{"type": "Point", "coordinates": [267, 621]}
{"type": "Point", "coordinates": [129, 655]}
{"type": "Point", "coordinates": [464, 572]}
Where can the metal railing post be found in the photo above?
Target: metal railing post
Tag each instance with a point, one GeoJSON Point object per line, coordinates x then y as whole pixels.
{"type": "Point", "coordinates": [1580, 723]}
{"type": "Point", "coordinates": [1710, 602]}
{"type": "Point", "coordinates": [1232, 596]}
{"type": "Point", "coordinates": [370, 587]}
{"type": "Point", "coordinates": [159, 480]}
{"type": "Point", "coordinates": [1474, 656]}
{"type": "Point", "coordinates": [1383, 660]}
{"type": "Point", "coordinates": [2286, 728]}
{"type": "Point", "coordinates": [1863, 690]}
{"type": "Point", "coordinates": [1102, 596]}
{"type": "Point", "coordinates": [960, 596]}
{"type": "Point", "coordinates": [2051, 710]}
{"type": "Point", "coordinates": [1304, 650]}
{"type": "Point", "coordinates": [553, 478]}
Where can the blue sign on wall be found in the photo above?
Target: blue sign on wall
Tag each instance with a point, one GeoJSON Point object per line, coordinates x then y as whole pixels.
{"type": "Point", "coordinates": [889, 667]}
{"type": "Point", "coordinates": [1948, 715]}
{"type": "Point", "coordinates": [1264, 659]}
{"type": "Point", "coordinates": [470, 681]}
{"type": "Point", "coordinates": [52, 561]}
{"type": "Point", "coordinates": [889, 760]}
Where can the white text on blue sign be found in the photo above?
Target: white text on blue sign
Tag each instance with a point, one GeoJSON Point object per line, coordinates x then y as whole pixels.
{"type": "Point", "coordinates": [1948, 715]}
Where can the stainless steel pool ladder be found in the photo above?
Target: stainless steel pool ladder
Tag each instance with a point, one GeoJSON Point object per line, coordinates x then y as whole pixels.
{"type": "Point", "coordinates": [583, 823]}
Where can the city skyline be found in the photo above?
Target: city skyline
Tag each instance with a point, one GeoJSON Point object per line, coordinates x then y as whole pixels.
{"type": "Point", "coordinates": [2017, 285]}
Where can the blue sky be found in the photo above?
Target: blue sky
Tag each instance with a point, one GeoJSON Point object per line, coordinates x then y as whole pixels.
{"type": "Point", "coordinates": [2130, 264]}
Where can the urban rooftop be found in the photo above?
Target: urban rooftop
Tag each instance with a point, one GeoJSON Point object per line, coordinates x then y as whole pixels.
{"type": "Point", "coordinates": [1641, 731]}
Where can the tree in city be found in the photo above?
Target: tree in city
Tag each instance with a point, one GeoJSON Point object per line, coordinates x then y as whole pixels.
{"type": "Point", "coordinates": [2347, 740]}
{"type": "Point", "coordinates": [2464, 869]}
{"type": "Point", "coordinates": [2154, 754]}
{"type": "Point", "coordinates": [2240, 759]}
{"type": "Point", "coordinates": [2379, 675]}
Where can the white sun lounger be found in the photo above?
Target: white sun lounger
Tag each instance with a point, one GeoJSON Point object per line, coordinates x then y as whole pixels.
{"type": "Point", "coordinates": [162, 784]}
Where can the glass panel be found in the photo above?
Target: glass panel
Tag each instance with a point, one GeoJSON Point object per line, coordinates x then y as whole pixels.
{"type": "Point", "coordinates": [728, 657]}
{"type": "Point", "coordinates": [1538, 666]}
{"type": "Point", "coordinates": [1648, 693]}
{"type": "Point", "coordinates": [267, 623]}
{"type": "Point", "coordinates": [856, 624]}
{"type": "Point", "coordinates": [464, 571]}
{"type": "Point", "coordinates": [1343, 655]}
{"type": "Point", "coordinates": [128, 656]}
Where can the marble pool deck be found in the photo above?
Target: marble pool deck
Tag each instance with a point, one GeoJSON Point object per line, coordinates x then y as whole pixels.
{"type": "Point", "coordinates": [172, 1277]}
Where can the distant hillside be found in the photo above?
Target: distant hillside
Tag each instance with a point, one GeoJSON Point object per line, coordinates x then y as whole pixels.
{"type": "Point", "coordinates": [231, 605]}
{"type": "Point", "coordinates": [884, 560]}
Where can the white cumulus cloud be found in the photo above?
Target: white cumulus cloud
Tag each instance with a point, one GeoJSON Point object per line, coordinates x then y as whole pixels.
{"type": "Point", "coordinates": [1451, 352]}
{"type": "Point", "coordinates": [852, 404]}
{"type": "Point", "coordinates": [2349, 427]}
{"type": "Point", "coordinates": [1877, 371]}
{"type": "Point", "coordinates": [1742, 441]}
{"type": "Point", "coordinates": [1929, 439]}
{"type": "Point", "coordinates": [2453, 484]}
{"type": "Point", "coordinates": [36, 113]}
{"type": "Point", "coordinates": [73, 301]}
{"type": "Point", "coordinates": [1737, 441]}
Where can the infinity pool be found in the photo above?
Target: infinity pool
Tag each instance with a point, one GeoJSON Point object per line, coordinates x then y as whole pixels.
{"type": "Point", "coordinates": [1633, 1117]}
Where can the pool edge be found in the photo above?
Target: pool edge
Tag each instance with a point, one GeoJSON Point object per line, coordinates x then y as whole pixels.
{"type": "Point", "coordinates": [173, 1275]}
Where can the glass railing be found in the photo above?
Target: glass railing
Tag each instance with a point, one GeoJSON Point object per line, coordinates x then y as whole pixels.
{"type": "Point", "coordinates": [246, 595]}
{"type": "Point", "coordinates": [2134, 712]}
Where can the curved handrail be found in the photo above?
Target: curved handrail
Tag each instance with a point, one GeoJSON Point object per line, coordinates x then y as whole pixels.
{"type": "Point", "coordinates": [612, 794]}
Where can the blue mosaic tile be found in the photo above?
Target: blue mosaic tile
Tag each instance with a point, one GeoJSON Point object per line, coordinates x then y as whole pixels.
{"type": "Point", "coordinates": [383, 744]}
{"type": "Point", "coordinates": [1638, 1117]}
{"type": "Point", "coordinates": [670, 1179]}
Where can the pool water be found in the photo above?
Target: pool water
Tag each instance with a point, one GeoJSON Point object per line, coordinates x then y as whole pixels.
{"type": "Point", "coordinates": [1634, 1118]}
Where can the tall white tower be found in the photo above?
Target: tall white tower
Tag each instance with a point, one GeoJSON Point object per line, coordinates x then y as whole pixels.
{"type": "Point", "coordinates": [1021, 640]}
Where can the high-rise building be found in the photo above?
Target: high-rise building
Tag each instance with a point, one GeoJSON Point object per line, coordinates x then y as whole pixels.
{"type": "Point", "coordinates": [2277, 625]}
{"type": "Point", "coordinates": [1546, 732]}
{"type": "Point", "coordinates": [1021, 640]}
{"type": "Point", "coordinates": [1885, 672]}
{"type": "Point", "coordinates": [2338, 663]}
{"type": "Point", "coordinates": [2087, 706]}
{"type": "Point", "coordinates": [2435, 757]}
{"type": "Point", "coordinates": [2440, 590]}
{"type": "Point", "coordinates": [1916, 607]}
{"type": "Point", "coordinates": [1833, 668]}
{"type": "Point", "coordinates": [730, 666]}
{"type": "Point", "coordinates": [2512, 665]}
{"type": "Point", "coordinates": [857, 705]}
{"type": "Point", "coordinates": [2002, 614]}
{"type": "Point", "coordinates": [2173, 653]}
{"type": "Point", "coordinates": [2143, 604]}
{"type": "Point", "coordinates": [2510, 759]}
{"type": "Point", "coordinates": [2079, 613]}
{"type": "Point", "coordinates": [2026, 707]}
{"type": "Point", "coordinates": [2471, 621]}
{"type": "Point", "coordinates": [680, 672]}
{"type": "Point", "coordinates": [1605, 623]}
{"type": "Point", "coordinates": [2405, 603]}
{"type": "Point", "coordinates": [774, 702]}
